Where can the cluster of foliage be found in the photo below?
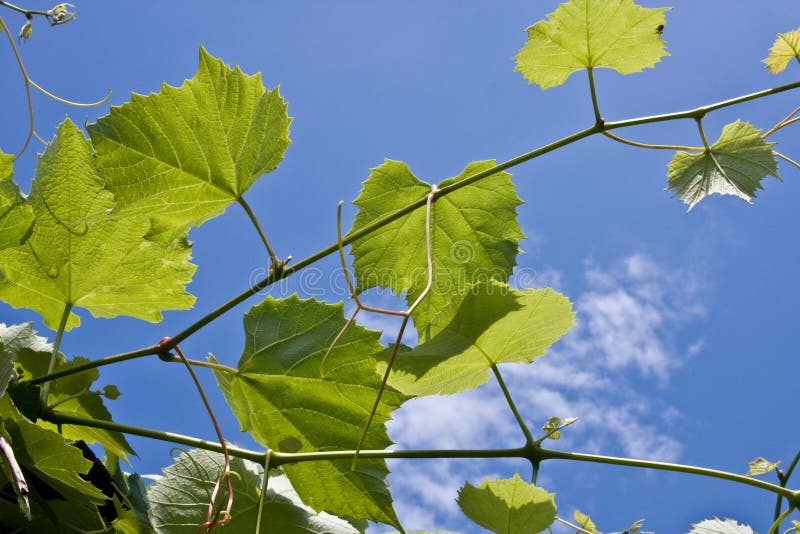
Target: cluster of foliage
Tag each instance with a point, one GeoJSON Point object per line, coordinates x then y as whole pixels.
{"type": "Point", "coordinates": [104, 228]}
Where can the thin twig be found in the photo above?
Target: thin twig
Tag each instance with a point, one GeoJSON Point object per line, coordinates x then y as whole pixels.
{"type": "Point", "coordinates": [212, 518]}
{"type": "Point", "coordinates": [647, 145]}
{"type": "Point", "coordinates": [786, 158]}
{"type": "Point", "coordinates": [576, 527]}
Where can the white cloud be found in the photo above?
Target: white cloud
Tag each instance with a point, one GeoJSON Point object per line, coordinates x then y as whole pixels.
{"type": "Point", "coordinates": [606, 372]}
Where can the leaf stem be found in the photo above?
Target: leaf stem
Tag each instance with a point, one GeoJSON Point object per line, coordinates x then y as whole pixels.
{"type": "Point", "coordinates": [210, 365]}
{"type": "Point", "coordinates": [550, 454]}
{"type": "Point", "coordinates": [699, 121]}
{"type": "Point", "coordinates": [786, 158]}
{"type": "Point", "coordinates": [570, 525]}
{"type": "Point", "coordinates": [62, 324]}
{"type": "Point", "coordinates": [525, 430]}
{"type": "Point", "coordinates": [253, 219]}
{"type": "Point", "coordinates": [598, 119]}
{"type": "Point", "coordinates": [788, 119]}
{"type": "Point", "coordinates": [20, 484]}
{"type": "Point", "coordinates": [647, 145]}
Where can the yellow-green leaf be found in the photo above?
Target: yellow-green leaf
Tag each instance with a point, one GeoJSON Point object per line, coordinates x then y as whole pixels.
{"type": "Point", "coordinates": [184, 154]}
{"type": "Point", "coordinates": [785, 49]}
{"type": "Point", "coordinates": [81, 254]}
{"type": "Point", "coordinates": [734, 165]}
{"type": "Point", "coordinates": [509, 506]}
{"type": "Point", "coordinates": [581, 34]}
{"type": "Point", "coordinates": [16, 215]}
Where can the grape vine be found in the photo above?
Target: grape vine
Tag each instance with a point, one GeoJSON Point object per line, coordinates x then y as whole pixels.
{"type": "Point", "coordinates": [105, 228]}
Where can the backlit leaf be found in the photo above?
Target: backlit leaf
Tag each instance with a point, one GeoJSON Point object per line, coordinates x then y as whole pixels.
{"type": "Point", "coordinates": [585, 522]}
{"type": "Point", "coordinates": [735, 165]}
{"type": "Point", "coordinates": [718, 526]}
{"type": "Point", "coordinates": [475, 237]}
{"type": "Point", "coordinates": [580, 34]}
{"type": "Point", "coordinates": [494, 324]}
{"type": "Point", "coordinates": [281, 398]}
{"type": "Point", "coordinates": [79, 253]}
{"type": "Point", "coordinates": [761, 466]}
{"type": "Point", "coordinates": [509, 506]}
{"type": "Point", "coordinates": [184, 154]}
{"type": "Point", "coordinates": [785, 49]}
{"type": "Point", "coordinates": [179, 500]}
{"type": "Point", "coordinates": [16, 215]}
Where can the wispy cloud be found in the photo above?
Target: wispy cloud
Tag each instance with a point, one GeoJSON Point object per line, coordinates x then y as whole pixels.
{"type": "Point", "coordinates": [627, 343]}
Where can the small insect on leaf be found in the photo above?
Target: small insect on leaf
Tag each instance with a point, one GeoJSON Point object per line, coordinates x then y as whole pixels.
{"type": "Point", "coordinates": [660, 29]}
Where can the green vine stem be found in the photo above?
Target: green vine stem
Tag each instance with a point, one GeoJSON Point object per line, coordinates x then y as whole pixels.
{"type": "Point", "coordinates": [786, 159]}
{"type": "Point", "coordinates": [783, 479]}
{"type": "Point", "coordinates": [775, 528]}
{"type": "Point", "coordinates": [26, 12]}
{"type": "Point", "coordinates": [277, 275]}
{"type": "Point", "coordinates": [529, 453]}
{"type": "Point", "coordinates": [117, 358]}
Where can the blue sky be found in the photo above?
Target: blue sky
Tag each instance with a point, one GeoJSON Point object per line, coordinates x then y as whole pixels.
{"type": "Point", "coordinates": [684, 349]}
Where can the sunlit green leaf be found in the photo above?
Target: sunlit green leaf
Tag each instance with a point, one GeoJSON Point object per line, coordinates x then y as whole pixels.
{"type": "Point", "coordinates": [184, 154]}
{"type": "Point", "coordinates": [475, 237]}
{"type": "Point", "coordinates": [16, 215]}
{"type": "Point", "coordinates": [735, 165]}
{"type": "Point", "coordinates": [785, 49]}
{"type": "Point", "coordinates": [509, 506]}
{"type": "Point", "coordinates": [71, 393]}
{"type": "Point", "coordinates": [617, 34]}
{"type": "Point", "coordinates": [282, 399]}
{"type": "Point", "coordinates": [179, 500]}
{"type": "Point", "coordinates": [79, 253]}
{"type": "Point", "coordinates": [760, 466]}
{"type": "Point", "coordinates": [494, 324]}
{"type": "Point", "coordinates": [585, 522]}
{"type": "Point", "coordinates": [719, 526]}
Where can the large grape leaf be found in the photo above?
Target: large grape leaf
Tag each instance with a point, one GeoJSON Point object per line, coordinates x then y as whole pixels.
{"type": "Point", "coordinates": [734, 165]}
{"type": "Point", "coordinates": [475, 236]}
{"type": "Point", "coordinates": [71, 393]}
{"type": "Point", "coordinates": [184, 154]}
{"type": "Point", "coordinates": [785, 49]}
{"type": "Point", "coordinates": [494, 324]}
{"type": "Point", "coordinates": [48, 455]}
{"type": "Point", "coordinates": [179, 500]}
{"type": "Point", "coordinates": [580, 34]}
{"type": "Point", "coordinates": [16, 216]}
{"type": "Point", "coordinates": [281, 398]}
{"type": "Point", "coordinates": [509, 506]}
{"type": "Point", "coordinates": [718, 526]}
{"type": "Point", "coordinates": [81, 254]}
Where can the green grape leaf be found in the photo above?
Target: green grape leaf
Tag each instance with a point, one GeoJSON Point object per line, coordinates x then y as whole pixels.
{"type": "Point", "coordinates": [718, 526]}
{"type": "Point", "coordinates": [281, 398]}
{"type": "Point", "coordinates": [785, 49]}
{"type": "Point", "coordinates": [16, 216]}
{"type": "Point", "coordinates": [475, 236]}
{"type": "Point", "coordinates": [184, 154]}
{"type": "Point", "coordinates": [509, 506]}
{"type": "Point", "coordinates": [179, 500]}
{"type": "Point", "coordinates": [47, 454]}
{"type": "Point", "coordinates": [81, 254]}
{"type": "Point", "coordinates": [494, 324]}
{"type": "Point", "coordinates": [70, 394]}
{"type": "Point", "coordinates": [735, 165]}
{"type": "Point", "coordinates": [580, 34]}
{"type": "Point", "coordinates": [585, 522]}
{"type": "Point", "coordinates": [761, 466]}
